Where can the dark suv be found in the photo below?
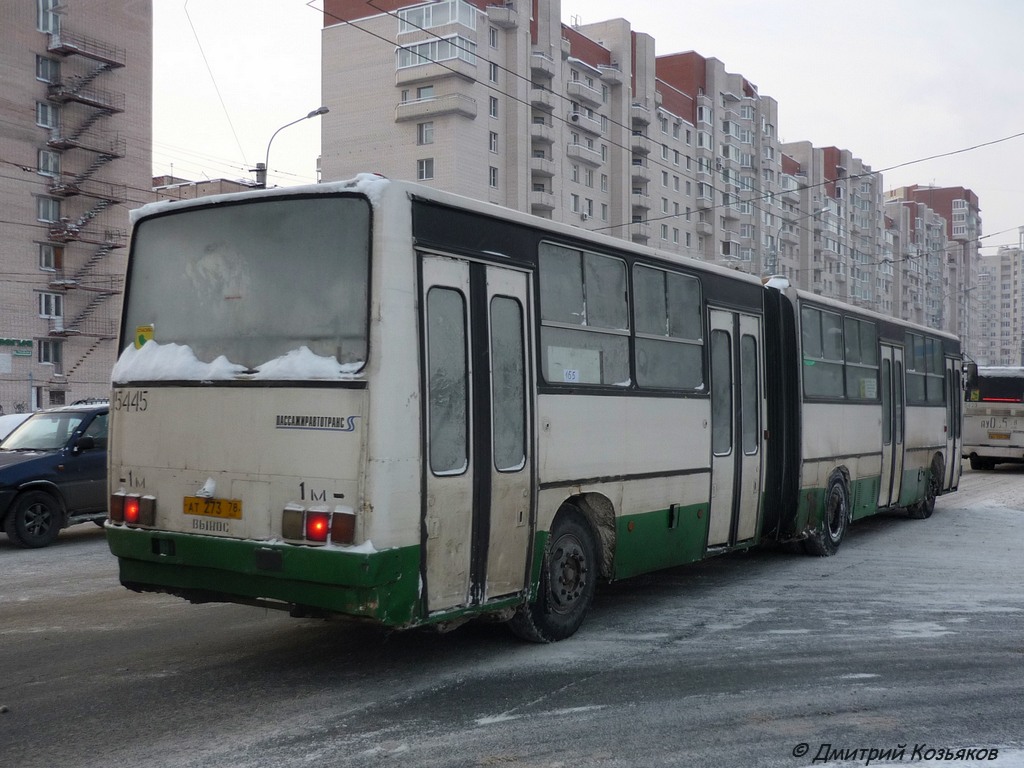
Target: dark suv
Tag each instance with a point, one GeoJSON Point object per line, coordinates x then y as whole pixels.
{"type": "Point", "coordinates": [53, 473]}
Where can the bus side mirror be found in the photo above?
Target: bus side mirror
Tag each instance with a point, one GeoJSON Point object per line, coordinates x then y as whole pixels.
{"type": "Point", "coordinates": [972, 376]}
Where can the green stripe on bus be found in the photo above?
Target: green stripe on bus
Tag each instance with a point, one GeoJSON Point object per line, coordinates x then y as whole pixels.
{"type": "Point", "coordinates": [659, 539]}
{"type": "Point", "coordinates": [379, 585]}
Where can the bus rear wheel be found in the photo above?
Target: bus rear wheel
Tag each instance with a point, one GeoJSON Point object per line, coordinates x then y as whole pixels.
{"type": "Point", "coordinates": [923, 509]}
{"type": "Point", "coordinates": [829, 535]}
{"type": "Point", "coordinates": [568, 579]}
{"type": "Point", "coordinates": [978, 463]}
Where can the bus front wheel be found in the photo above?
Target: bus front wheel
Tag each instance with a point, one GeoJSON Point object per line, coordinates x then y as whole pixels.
{"type": "Point", "coordinates": [568, 579]}
{"type": "Point", "coordinates": [825, 540]}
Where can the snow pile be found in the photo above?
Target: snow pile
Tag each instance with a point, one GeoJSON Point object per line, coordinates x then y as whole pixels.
{"type": "Point", "coordinates": [177, 362]}
{"type": "Point", "coordinates": [163, 362]}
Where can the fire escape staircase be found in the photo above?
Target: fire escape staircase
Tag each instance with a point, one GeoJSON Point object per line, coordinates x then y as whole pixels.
{"type": "Point", "coordinates": [81, 89]}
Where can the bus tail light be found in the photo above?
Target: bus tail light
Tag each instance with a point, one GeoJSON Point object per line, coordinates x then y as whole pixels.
{"type": "Point", "coordinates": [318, 526]}
{"type": "Point", "coordinates": [132, 509]}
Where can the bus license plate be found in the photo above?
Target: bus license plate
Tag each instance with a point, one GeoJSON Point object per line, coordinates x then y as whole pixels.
{"type": "Point", "coordinates": [998, 435]}
{"type": "Point", "coordinates": [223, 508]}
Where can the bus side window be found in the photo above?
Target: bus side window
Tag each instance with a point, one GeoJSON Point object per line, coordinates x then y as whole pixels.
{"type": "Point", "coordinates": [447, 377]}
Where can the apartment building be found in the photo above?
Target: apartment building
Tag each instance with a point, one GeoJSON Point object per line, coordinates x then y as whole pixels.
{"type": "Point", "coordinates": [590, 126]}
{"type": "Point", "coordinates": [999, 291]}
{"type": "Point", "coordinates": [584, 125]}
{"type": "Point", "coordinates": [950, 232]}
{"type": "Point", "coordinates": [75, 135]}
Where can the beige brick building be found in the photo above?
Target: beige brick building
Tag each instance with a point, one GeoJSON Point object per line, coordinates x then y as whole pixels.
{"type": "Point", "coordinates": [590, 126]}
{"type": "Point", "coordinates": [75, 137]}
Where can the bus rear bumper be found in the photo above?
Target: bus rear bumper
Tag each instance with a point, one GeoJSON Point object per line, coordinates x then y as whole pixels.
{"type": "Point", "coordinates": [382, 586]}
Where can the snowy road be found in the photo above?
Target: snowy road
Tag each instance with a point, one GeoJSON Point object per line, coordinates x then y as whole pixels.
{"type": "Point", "coordinates": [912, 636]}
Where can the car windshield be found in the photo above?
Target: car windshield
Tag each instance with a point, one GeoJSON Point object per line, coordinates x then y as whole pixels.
{"type": "Point", "coordinates": [43, 432]}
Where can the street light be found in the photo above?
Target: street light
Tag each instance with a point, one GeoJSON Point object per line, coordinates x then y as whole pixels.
{"type": "Point", "coordinates": [261, 168]}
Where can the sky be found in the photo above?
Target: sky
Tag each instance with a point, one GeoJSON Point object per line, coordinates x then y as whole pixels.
{"type": "Point", "coordinates": [892, 81]}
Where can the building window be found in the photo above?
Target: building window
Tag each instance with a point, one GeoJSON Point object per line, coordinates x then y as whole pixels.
{"type": "Point", "coordinates": [425, 169]}
{"type": "Point", "coordinates": [47, 209]}
{"type": "Point", "coordinates": [47, 70]}
{"type": "Point", "coordinates": [47, 19]}
{"type": "Point", "coordinates": [425, 133]}
{"type": "Point", "coordinates": [48, 163]}
{"type": "Point", "coordinates": [51, 305]}
{"type": "Point", "coordinates": [50, 352]}
{"type": "Point", "coordinates": [433, 51]}
{"type": "Point", "coordinates": [425, 92]}
{"type": "Point", "coordinates": [492, 177]}
{"type": "Point", "coordinates": [437, 15]}
{"type": "Point", "coordinates": [493, 108]}
{"type": "Point", "coordinates": [492, 36]}
{"type": "Point", "coordinates": [492, 70]}
{"type": "Point", "coordinates": [492, 142]}
{"type": "Point", "coordinates": [51, 257]}
{"type": "Point", "coordinates": [47, 115]}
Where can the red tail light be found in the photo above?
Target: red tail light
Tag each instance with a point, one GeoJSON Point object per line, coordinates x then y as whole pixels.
{"type": "Point", "coordinates": [318, 525]}
{"type": "Point", "coordinates": [131, 509]}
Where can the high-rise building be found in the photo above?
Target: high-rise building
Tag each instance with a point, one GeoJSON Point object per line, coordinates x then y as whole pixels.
{"type": "Point", "coordinates": [999, 294]}
{"type": "Point", "coordinates": [588, 125]}
{"type": "Point", "coordinates": [75, 137]}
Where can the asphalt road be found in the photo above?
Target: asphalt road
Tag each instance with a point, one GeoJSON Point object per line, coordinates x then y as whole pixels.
{"type": "Point", "coordinates": [912, 636]}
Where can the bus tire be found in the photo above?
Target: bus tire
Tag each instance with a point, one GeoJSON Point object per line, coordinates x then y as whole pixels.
{"type": "Point", "coordinates": [825, 540]}
{"type": "Point", "coordinates": [568, 579]}
{"type": "Point", "coordinates": [923, 509]}
{"type": "Point", "coordinates": [978, 463]}
{"type": "Point", "coordinates": [34, 520]}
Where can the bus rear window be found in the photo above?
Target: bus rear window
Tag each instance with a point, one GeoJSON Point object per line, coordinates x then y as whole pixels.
{"type": "Point", "coordinates": [255, 282]}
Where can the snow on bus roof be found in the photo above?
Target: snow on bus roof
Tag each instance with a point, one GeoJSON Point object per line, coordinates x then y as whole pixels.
{"type": "Point", "coordinates": [370, 184]}
{"type": "Point", "coordinates": [1002, 372]}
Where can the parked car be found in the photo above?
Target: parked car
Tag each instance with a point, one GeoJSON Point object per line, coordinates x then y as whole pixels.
{"type": "Point", "coordinates": [9, 421]}
{"type": "Point", "coordinates": [53, 472]}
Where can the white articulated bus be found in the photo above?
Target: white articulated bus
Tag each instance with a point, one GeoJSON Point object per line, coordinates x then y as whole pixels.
{"type": "Point", "coordinates": [994, 417]}
{"type": "Point", "coordinates": [373, 399]}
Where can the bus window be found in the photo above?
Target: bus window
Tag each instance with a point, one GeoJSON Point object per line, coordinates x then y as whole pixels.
{"type": "Point", "coordinates": [721, 394]}
{"type": "Point", "coordinates": [584, 317]}
{"type": "Point", "coordinates": [447, 374]}
{"type": "Point", "coordinates": [749, 394]}
{"type": "Point", "coordinates": [668, 329]}
{"type": "Point", "coordinates": [822, 334]}
{"type": "Point", "coordinates": [508, 380]}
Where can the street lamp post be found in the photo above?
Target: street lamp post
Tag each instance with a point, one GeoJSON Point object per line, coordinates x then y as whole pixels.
{"type": "Point", "coordinates": [261, 168]}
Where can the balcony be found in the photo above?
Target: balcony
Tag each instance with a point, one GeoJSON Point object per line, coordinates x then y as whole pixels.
{"type": "Point", "coordinates": [580, 91]}
{"type": "Point", "coordinates": [542, 133]}
{"type": "Point", "coordinates": [542, 98]}
{"type": "Point", "coordinates": [503, 15]}
{"type": "Point", "coordinates": [641, 173]}
{"type": "Point", "coordinates": [640, 201]}
{"type": "Point", "coordinates": [70, 44]}
{"type": "Point", "coordinates": [639, 231]}
{"type": "Point", "coordinates": [436, 72]}
{"type": "Point", "coordinates": [583, 154]}
{"type": "Point", "coordinates": [450, 104]}
{"type": "Point", "coordinates": [74, 90]}
{"type": "Point", "coordinates": [542, 65]}
{"type": "Point", "coordinates": [611, 74]}
{"type": "Point", "coordinates": [588, 124]}
{"type": "Point", "coordinates": [541, 166]}
{"type": "Point", "coordinates": [640, 144]}
{"type": "Point", "coordinates": [705, 228]}
{"type": "Point", "coordinates": [542, 201]}
{"type": "Point", "coordinates": [638, 113]}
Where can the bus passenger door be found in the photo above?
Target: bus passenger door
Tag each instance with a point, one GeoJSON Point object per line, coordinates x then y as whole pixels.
{"type": "Point", "coordinates": [892, 425]}
{"type": "Point", "coordinates": [954, 422]}
{"type": "Point", "coordinates": [477, 433]}
{"type": "Point", "coordinates": [737, 418]}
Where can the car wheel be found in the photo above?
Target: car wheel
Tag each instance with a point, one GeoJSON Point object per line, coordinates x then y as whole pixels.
{"type": "Point", "coordinates": [34, 520]}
